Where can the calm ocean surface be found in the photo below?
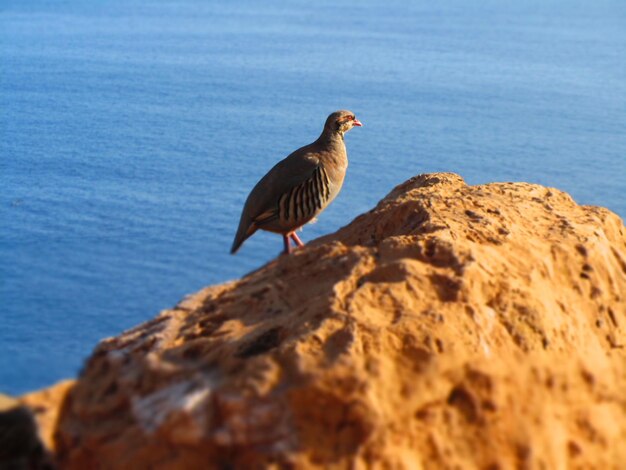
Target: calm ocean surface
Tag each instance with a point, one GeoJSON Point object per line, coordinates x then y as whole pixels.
{"type": "Point", "coordinates": [132, 131]}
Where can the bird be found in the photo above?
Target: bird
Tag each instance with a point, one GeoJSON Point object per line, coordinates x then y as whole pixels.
{"type": "Point", "coordinates": [299, 187]}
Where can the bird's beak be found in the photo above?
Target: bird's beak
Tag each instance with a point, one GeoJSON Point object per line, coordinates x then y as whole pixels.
{"type": "Point", "coordinates": [357, 123]}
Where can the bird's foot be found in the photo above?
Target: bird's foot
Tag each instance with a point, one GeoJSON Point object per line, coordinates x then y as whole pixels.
{"type": "Point", "coordinates": [287, 245]}
{"type": "Point", "coordinates": [296, 239]}
{"type": "Point", "coordinates": [286, 242]}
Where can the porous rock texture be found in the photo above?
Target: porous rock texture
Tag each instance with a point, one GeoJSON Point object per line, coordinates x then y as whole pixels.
{"type": "Point", "coordinates": [452, 326]}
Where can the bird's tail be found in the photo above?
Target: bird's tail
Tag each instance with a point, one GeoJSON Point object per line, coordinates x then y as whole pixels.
{"type": "Point", "coordinates": [244, 232]}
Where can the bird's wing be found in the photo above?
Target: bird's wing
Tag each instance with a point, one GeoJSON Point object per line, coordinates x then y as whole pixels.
{"type": "Point", "coordinates": [287, 174]}
{"type": "Point", "coordinates": [261, 207]}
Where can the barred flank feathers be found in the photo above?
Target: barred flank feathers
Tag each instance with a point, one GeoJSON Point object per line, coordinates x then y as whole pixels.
{"type": "Point", "coordinates": [301, 202]}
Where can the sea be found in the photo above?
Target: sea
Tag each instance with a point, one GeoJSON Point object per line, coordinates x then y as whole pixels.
{"type": "Point", "coordinates": [132, 131]}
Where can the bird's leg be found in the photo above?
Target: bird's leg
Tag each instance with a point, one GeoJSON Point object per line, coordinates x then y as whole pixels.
{"type": "Point", "coordinates": [287, 244]}
{"type": "Point", "coordinates": [296, 239]}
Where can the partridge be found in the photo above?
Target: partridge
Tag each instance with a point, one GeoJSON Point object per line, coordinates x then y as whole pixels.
{"type": "Point", "coordinates": [299, 187]}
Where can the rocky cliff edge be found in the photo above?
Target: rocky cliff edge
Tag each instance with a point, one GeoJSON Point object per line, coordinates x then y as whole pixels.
{"type": "Point", "coordinates": [452, 326]}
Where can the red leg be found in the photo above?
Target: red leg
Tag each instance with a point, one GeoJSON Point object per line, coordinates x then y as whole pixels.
{"type": "Point", "coordinates": [296, 239]}
{"type": "Point", "coordinates": [287, 244]}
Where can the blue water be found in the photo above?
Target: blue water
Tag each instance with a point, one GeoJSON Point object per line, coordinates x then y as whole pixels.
{"type": "Point", "coordinates": [132, 131]}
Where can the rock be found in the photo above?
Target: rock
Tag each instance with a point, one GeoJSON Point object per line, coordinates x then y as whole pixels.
{"type": "Point", "coordinates": [20, 447]}
{"type": "Point", "coordinates": [452, 326]}
{"type": "Point", "coordinates": [45, 406]}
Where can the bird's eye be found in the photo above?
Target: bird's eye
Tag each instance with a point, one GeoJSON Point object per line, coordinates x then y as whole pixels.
{"type": "Point", "coordinates": [352, 118]}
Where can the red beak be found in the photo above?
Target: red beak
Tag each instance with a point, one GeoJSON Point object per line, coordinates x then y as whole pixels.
{"type": "Point", "coordinates": [357, 123]}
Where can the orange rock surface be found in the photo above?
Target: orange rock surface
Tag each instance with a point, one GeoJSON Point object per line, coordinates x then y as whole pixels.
{"type": "Point", "coordinates": [46, 405]}
{"type": "Point", "coordinates": [452, 326]}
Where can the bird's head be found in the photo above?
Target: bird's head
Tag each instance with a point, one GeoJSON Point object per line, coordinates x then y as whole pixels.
{"type": "Point", "coordinates": [341, 122]}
